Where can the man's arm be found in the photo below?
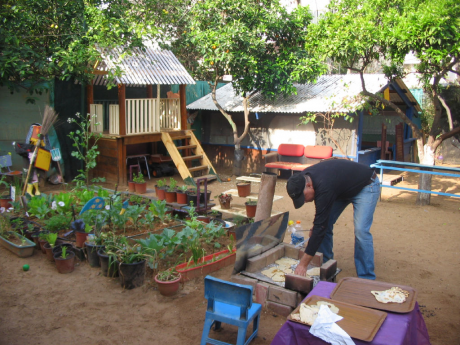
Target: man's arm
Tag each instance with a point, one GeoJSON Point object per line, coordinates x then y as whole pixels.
{"type": "Point", "coordinates": [301, 269]}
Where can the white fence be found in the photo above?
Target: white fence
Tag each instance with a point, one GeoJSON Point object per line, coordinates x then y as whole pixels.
{"type": "Point", "coordinates": [96, 122]}
{"type": "Point", "coordinates": [141, 116]}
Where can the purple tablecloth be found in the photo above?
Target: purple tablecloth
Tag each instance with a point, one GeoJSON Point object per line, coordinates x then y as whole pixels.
{"type": "Point", "coordinates": [397, 329]}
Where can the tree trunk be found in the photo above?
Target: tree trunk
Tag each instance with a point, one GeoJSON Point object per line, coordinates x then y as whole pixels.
{"type": "Point", "coordinates": [424, 181]}
{"type": "Point", "coordinates": [238, 161]}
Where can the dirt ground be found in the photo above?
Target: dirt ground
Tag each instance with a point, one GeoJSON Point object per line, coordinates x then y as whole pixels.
{"type": "Point", "coordinates": [415, 246]}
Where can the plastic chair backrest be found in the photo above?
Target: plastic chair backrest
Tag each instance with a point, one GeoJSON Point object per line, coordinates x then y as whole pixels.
{"type": "Point", "coordinates": [318, 152]}
{"type": "Point", "coordinates": [5, 162]}
{"type": "Point", "coordinates": [229, 293]}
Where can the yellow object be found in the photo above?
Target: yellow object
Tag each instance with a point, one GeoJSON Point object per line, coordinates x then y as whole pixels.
{"type": "Point", "coordinates": [30, 188]}
{"type": "Point", "coordinates": [37, 192]}
{"type": "Point", "coordinates": [43, 159]}
{"type": "Point", "coordinates": [291, 222]}
{"type": "Point", "coordinates": [386, 94]}
{"type": "Point", "coordinates": [123, 210]}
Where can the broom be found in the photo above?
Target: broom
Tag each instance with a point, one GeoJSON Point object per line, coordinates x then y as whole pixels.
{"type": "Point", "coordinates": [49, 117]}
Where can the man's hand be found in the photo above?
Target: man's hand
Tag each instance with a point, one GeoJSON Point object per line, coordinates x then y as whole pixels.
{"type": "Point", "coordinates": [301, 269]}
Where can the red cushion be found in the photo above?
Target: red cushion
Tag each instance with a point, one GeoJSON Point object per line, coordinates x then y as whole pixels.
{"type": "Point", "coordinates": [281, 165]}
{"type": "Point", "coordinates": [318, 152]}
{"type": "Point", "coordinates": [293, 150]}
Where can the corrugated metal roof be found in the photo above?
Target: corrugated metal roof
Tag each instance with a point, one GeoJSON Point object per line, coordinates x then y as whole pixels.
{"type": "Point", "coordinates": [328, 92]}
{"type": "Point", "coordinates": [152, 67]}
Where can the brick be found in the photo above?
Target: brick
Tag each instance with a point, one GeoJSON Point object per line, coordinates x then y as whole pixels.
{"type": "Point", "coordinates": [291, 251]}
{"type": "Point", "coordinates": [282, 296]}
{"type": "Point", "coordinates": [274, 254]}
{"type": "Point", "coordinates": [262, 293]}
{"type": "Point", "coordinates": [328, 269]}
{"type": "Point", "coordinates": [279, 309]}
{"type": "Point", "coordinates": [300, 297]}
{"type": "Point", "coordinates": [317, 260]}
{"type": "Point", "coordinates": [256, 263]}
{"type": "Point", "coordinates": [240, 279]}
{"type": "Point", "coordinates": [298, 283]}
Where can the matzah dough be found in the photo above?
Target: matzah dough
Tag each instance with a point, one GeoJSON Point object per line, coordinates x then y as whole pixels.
{"type": "Point", "coordinates": [286, 261]}
{"type": "Point", "coordinates": [315, 271]}
{"type": "Point", "coordinates": [393, 295]}
{"type": "Point", "coordinates": [308, 313]}
{"type": "Point", "coordinates": [279, 277]}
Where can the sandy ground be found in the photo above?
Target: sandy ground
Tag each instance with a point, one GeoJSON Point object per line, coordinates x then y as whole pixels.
{"type": "Point", "coordinates": [415, 246]}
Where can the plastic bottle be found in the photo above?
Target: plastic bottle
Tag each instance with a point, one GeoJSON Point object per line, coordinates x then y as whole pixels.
{"type": "Point", "coordinates": [297, 226]}
{"type": "Point", "coordinates": [290, 227]}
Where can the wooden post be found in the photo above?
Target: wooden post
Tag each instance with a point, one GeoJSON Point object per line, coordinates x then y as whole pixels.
{"type": "Point", "coordinates": [266, 194]}
{"type": "Point", "coordinates": [121, 157]}
{"type": "Point", "coordinates": [149, 91]}
{"type": "Point", "coordinates": [183, 107]}
{"type": "Point", "coordinates": [157, 110]}
{"type": "Point", "coordinates": [89, 97]}
{"type": "Point", "coordinates": [122, 108]}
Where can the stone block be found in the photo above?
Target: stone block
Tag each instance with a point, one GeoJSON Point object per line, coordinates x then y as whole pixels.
{"type": "Point", "coordinates": [300, 297]}
{"type": "Point", "coordinates": [256, 263]}
{"type": "Point", "coordinates": [291, 251]}
{"type": "Point", "coordinates": [328, 269]}
{"type": "Point", "coordinates": [273, 254]}
{"type": "Point", "coordinates": [279, 309]}
{"type": "Point", "coordinates": [297, 283]}
{"type": "Point", "coordinates": [317, 260]}
{"type": "Point", "coordinates": [240, 279]}
{"type": "Point", "coordinates": [282, 296]}
{"type": "Point", "coordinates": [262, 293]}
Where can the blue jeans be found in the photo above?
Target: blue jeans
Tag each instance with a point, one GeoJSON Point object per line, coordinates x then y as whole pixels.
{"type": "Point", "coordinates": [363, 214]}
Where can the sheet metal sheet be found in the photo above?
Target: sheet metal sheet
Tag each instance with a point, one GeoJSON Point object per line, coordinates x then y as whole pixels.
{"type": "Point", "coordinates": [258, 237]}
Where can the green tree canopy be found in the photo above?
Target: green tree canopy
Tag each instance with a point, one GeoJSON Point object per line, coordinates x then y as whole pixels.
{"type": "Point", "coordinates": [359, 33]}
{"type": "Point", "coordinates": [42, 40]}
{"type": "Point", "coordinates": [257, 42]}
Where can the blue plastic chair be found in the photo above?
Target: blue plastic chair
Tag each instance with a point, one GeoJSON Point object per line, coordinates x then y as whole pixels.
{"type": "Point", "coordinates": [229, 303]}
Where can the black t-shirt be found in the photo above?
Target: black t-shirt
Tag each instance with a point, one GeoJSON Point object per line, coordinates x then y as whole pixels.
{"type": "Point", "coordinates": [335, 179]}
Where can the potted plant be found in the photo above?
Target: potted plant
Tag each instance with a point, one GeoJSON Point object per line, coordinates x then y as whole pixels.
{"type": "Point", "coordinates": [170, 193]}
{"type": "Point", "coordinates": [94, 242]}
{"type": "Point", "coordinates": [131, 260]}
{"type": "Point", "coordinates": [139, 183]}
{"type": "Point", "coordinates": [58, 222]}
{"type": "Point", "coordinates": [224, 200]}
{"type": "Point", "coordinates": [5, 198]}
{"type": "Point", "coordinates": [81, 232]}
{"type": "Point", "coordinates": [216, 214]}
{"type": "Point", "coordinates": [13, 241]}
{"type": "Point", "coordinates": [168, 281]}
{"type": "Point", "coordinates": [251, 206]}
{"type": "Point", "coordinates": [109, 267]}
{"type": "Point", "coordinates": [160, 189]}
{"type": "Point", "coordinates": [192, 196]}
{"type": "Point", "coordinates": [181, 194]}
{"type": "Point", "coordinates": [244, 189]}
{"type": "Point", "coordinates": [65, 261]}
{"type": "Point", "coordinates": [51, 242]}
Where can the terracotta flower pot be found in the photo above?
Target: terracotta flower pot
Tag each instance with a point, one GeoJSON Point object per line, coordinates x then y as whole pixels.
{"type": "Point", "coordinates": [5, 202]}
{"type": "Point", "coordinates": [170, 196]}
{"type": "Point", "coordinates": [49, 252]}
{"type": "Point", "coordinates": [250, 210]}
{"type": "Point", "coordinates": [168, 288]}
{"type": "Point", "coordinates": [181, 197]}
{"type": "Point", "coordinates": [141, 188]}
{"type": "Point", "coordinates": [42, 243]}
{"type": "Point", "coordinates": [161, 194]}
{"type": "Point", "coordinates": [244, 189]}
{"type": "Point", "coordinates": [204, 219]}
{"type": "Point", "coordinates": [66, 265]}
{"type": "Point", "coordinates": [80, 239]}
{"type": "Point", "coordinates": [225, 205]}
{"type": "Point", "coordinates": [131, 186]}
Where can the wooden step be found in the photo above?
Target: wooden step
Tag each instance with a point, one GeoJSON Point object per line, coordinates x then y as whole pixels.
{"type": "Point", "coordinates": [189, 158]}
{"type": "Point", "coordinates": [179, 137]}
{"type": "Point", "coordinates": [186, 147]}
{"type": "Point", "coordinates": [198, 168]}
{"type": "Point", "coordinates": [208, 177]}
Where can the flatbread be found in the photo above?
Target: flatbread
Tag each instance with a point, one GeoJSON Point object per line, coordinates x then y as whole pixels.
{"type": "Point", "coordinates": [279, 277]}
{"type": "Point", "coordinates": [285, 261]}
{"type": "Point", "coordinates": [270, 272]}
{"type": "Point", "coordinates": [315, 271]}
{"type": "Point", "coordinates": [308, 313]}
{"type": "Point", "coordinates": [393, 295]}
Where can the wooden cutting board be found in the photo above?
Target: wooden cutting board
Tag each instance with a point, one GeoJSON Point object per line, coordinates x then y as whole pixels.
{"type": "Point", "coordinates": [358, 291]}
{"type": "Point", "coordinates": [359, 322]}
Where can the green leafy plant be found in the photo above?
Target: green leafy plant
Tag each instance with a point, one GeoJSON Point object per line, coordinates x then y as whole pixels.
{"type": "Point", "coordinates": [197, 251]}
{"type": "Point", "coordinates": [182, 189]}
{"type": "Point", "coordinates": [139, 178]}
{"type": "Point", "coordinates": [158, 208]}
{"type": "Point", "coordinates": [85, 143]}
{"type": "Point", "coordinates": [168, 275]}
{"type": "Point", "coordinates": [83, 195]}
{"type": "Point", "coordinates": [251, 202]}
{"type": "Point", "coordinates": [64, 253]}
{"type": "Point", "coordinates": [160, 183]}
{"type": "Point", "coordinates": [51, 239]}
{"type": "Point", "coordinates": [172, 185]}
{"type": "Point", "coordinates": [63, 203]}
{"type": "Point", "coordinates": [39, 206]}
{"type": "Point", "coordinates": [58, 222]}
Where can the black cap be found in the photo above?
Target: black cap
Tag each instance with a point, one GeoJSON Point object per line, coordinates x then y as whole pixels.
{"type": "Point", "coordinates": [295, 187]}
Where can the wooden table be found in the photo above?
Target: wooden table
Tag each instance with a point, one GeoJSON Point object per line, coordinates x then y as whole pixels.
{"type": "Point", "coordinates": [238, 210]}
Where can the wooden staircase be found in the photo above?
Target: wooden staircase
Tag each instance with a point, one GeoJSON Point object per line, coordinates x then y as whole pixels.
{"type": "Point", "coordinates": [186, 153]}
